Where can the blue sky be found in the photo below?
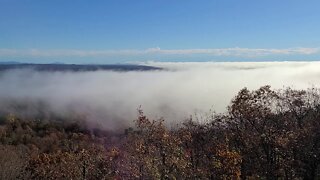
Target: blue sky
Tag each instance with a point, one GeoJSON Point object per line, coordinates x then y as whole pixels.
{"type": "Point", "coordinates": [116, 31]}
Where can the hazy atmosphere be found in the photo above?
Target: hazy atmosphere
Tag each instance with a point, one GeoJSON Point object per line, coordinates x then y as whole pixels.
{"type": "Point", "coordinates": [160, 89]}
{"type": "Point", "coordinates": [112, 98]}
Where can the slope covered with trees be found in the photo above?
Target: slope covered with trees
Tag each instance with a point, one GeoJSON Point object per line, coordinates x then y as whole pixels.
{"type": "Point", "coordinates": [265, 134]}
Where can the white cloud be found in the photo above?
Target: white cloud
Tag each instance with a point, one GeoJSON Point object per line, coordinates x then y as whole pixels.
{"type": "Point", "coordinates": [111, 98]}
{"type": "Point", "coordinates": [236, 52]}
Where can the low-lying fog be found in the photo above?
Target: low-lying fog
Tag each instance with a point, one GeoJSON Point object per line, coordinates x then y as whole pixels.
{"type": "Point", "coordinates": [111, 98]}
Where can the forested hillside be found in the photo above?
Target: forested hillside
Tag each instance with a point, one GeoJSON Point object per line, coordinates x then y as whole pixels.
{"type": "Point", "coordinates": [265, 134]}
{"type": "Point", "coordinates": [75, 67]}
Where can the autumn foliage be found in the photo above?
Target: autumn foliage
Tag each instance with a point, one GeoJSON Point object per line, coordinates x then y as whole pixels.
{"type": "Point", "coordinates": [264, 134]}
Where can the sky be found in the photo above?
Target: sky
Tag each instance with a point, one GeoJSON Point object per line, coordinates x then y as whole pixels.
{"type": "Point", "coordinates": [122, 31]}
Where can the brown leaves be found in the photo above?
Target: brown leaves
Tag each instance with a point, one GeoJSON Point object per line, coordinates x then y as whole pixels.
{"type": "Point", "coordinates": [268, 134]}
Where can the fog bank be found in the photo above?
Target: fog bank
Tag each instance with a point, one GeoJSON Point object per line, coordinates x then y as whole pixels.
{"type": "Point", "coordinates": [111, 99]}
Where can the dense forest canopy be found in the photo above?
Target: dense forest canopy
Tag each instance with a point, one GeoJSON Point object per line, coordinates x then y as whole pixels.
{"type": "Point", "coordinates": [265, 134]}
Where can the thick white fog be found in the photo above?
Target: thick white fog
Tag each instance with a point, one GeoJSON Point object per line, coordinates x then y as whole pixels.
{"type": "Point", "coordinates": [111, 98]}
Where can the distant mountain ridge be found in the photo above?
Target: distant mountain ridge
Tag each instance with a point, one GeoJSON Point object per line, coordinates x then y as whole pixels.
{"type": "Point", "coordinates": [9, 62]}
{"type": "Point", "coordinates": [75, 67]}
